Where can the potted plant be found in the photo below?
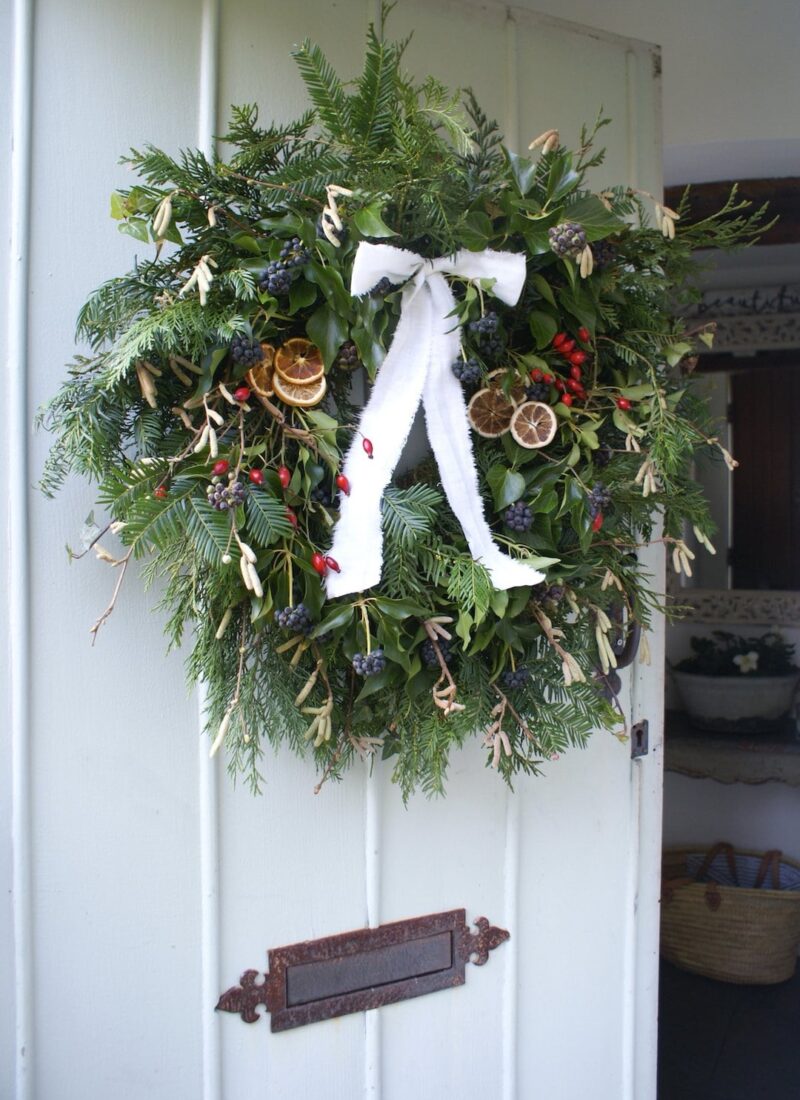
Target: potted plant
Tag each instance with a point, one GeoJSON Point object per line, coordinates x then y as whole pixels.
{"type": "Point", "coordinates": [737, 684]}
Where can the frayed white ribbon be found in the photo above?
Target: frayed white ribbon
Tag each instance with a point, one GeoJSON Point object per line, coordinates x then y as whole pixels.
{"type": "Point", "coordinates": [418, 368]}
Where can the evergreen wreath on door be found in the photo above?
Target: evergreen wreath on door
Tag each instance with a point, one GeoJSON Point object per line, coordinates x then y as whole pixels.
{"type": "Point", "coordinates": [253, 379]}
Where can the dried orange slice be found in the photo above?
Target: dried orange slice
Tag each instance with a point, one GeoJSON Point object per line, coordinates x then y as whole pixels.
{"type": "Point", "coordinates": [299, 361]}
{"type": "Point", "coordinates": [302, 396]}
{"type": "Point", "coordinates": [259, 378]}
{"type": "Point", "coordinates": [516, 391]}
{"type": "Point", "coordinates": [533, 425]}
{"type": "Point", "coordinates": [490, 412]}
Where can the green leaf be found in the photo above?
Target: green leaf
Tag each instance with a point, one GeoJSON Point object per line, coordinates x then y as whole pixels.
{"type": "Point", "coordinates": [266, 517]}
{"type": "Point", "coordinates": [135, 227]}
{"type": "Point", "coordinates": [507, 486]}
{"type": "Point", "coordinates": [369, 223]}
{"type": "Point", "coordinates": [544, 288]}
{"type": "Point", "coordinates": [543, 328]}
{"type": "Point", "coordinates": [401, 609]}
{"type": "Point", "coordinates": [464, 626]}
{"type": "Point", "coordinates": [523, 171]}
{"type": "Point", "coordinates": [302, 294]}
{"type": "Point", "coordinates": [118, 208]}
{"type": "Point", "coordinates": [475, 230]}
{"type": "Point", "coordinates": [334, 620]}
{"type": "Point", "coordinates": [597, 221]}
{"type": "Point", "coordinates": [328, 331]}
{"type": "Point", "coordinates": [391, 674]}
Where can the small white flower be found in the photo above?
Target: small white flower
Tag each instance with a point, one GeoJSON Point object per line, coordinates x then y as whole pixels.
{"type": "Point", "coordinates": [747, 662]}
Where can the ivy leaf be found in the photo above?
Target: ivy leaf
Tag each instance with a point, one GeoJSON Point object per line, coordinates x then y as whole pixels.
{"type": "Point", "coordinates": [328, 330]}
{"type": "Point", "coordinates": [302, 294]}
{"type": "Point", "coordinates": [369, 223]}
{"type": "Point", "coordinates": [391, 674]}
{"type": "Point", "coordinates": [523, 171]}
{"type": "Point", "coordinates": [135, 227]}
{"type": "Point", "coordinates": [334, 620]}
{"type": "Point", "coordinates": [400, 609]}
{"type": "Point", "coordinates": [266, 517]}
{"type": "Point", "coordinates": [475, 230]}
{"type": "Point", "coordinates": [464, 627]}
{"type": "Point", "coordinates": [507, 486]}
{"type": "Point", "coordinates": [597, 221]}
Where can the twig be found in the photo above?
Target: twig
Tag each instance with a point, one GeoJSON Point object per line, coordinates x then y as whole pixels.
{"type": "Point", "coordinates": [124, 563]}
{"type": "Point", "coordinates": [444, 691]}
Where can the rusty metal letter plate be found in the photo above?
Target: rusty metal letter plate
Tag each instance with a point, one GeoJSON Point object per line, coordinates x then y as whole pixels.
{"type": "Point", "coordinates": [320, 979]}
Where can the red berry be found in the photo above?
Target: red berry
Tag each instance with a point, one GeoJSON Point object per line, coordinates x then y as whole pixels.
{"type": "Point", "coordinates": [578, 358]}
{"type": "Point", "coordinates": [292, 518]}
{"type": "Point", "coordinates": [319, 563]}
{"type": "Point", "coordinates": [566, 399]}
{"type": "Point", "coordinates": [573, 386]}
{"type": "Point", "coordinates": [160, 492]}
{"type": "Point", "coordinates": [584, 335]}
{"type": "Point", "coordinates": [284, 476]}
{"type": "Point", "coordinates": [242, 393]}
{"type": "Point", "coordinates": [333, 564]}
{"type": "Point", "coordinates": [623, 403]}
{"type": "Point", "coordinates": [343, 484]}
{"type": "Point", "coordinates": [575, 374]}
{"type": "Point", "coordinates": [597, 522]}
{"type": "Point", "coordinates": [566, 348]}
{"type": "Point", "coordinates": [257, 476]}
{"type": "Point", "coordinates": [559, 339]}
{"type": "Point", "coordinates": [548, 378]}
{"type": "Point", "coordinates": [560, 386]}
{"type": "Point", "coordinates": [220, 468]}
{"type": "Point", "coordinates": [536, 375]}
{"type": "Point", "coordinates": [367, 445]}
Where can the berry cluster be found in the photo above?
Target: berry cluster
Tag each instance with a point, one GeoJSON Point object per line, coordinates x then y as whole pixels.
{"type": "Point", "coordinates": [567, 239]}
{"type": "Point", "coordinates": [382, 288]}
{"type": "Point", "coordinates": [486, 331]}
{"type": "Point", "coordinates": [598, 500]}
{"type": "Point", "coordinates": [246, 351]}
{"type": "Point", "coordinates": [368, 664]}
{"type": "Point", "coordinates": [602, 456]}
{"type": "Point", "coordinates": [428, 653]}
{"type": "Point", "coordinates": [278, 276]}
{"type": "Point", "coordinates": [297, 619]}
{"type": "Point", "coordinates": [468, 372]}
{"type": "Point", "coordinates": [223, 497]}
{"type": "Point", "coordinates": [537, 391]}
{"type": "Point", "coordinates": [348, 358]}
{"type": "Point", "coordinates": [516, 677]}
{"type": "Point", "coordinates": [321, 495]}
{"type": "Point", "coordinates": [519, 517]}
{"type": "Point", "coordinates": [604, 255]}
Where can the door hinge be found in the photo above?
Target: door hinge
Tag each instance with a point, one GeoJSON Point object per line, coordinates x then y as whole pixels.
{"type": "Point", "coordinates": [640, 739]}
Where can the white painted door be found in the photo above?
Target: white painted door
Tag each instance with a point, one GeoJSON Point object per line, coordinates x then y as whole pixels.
{"type": "Point", "coordinates": [143, 882]}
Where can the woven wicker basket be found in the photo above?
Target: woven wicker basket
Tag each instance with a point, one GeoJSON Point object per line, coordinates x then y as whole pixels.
{"type": "Point", "coordinates": [734, 934]}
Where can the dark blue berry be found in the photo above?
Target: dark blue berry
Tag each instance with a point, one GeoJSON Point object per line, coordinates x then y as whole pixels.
{"type": "Point", "coordinates": [516, 678]}
{"type": "Point", "coordinates": [428, 653]}
{"type": "Point", "coordinates": [246, 350]}
{"type": "Point", "coordinates": [602, 456]}
{"type": "Point", "coordinates": [567, 239]}
{"type": "Point", "coordinates": [468, 372]}
{"type": "Point", "coordinates": [348, 356]}
{"type": "Point", "coordinates": [538, 391]}
{"type": "Point", "coordinates": [224, 497]}
{"type": "Point", "coordinates": [519, 517]}
{"type": "Point", "coordinates": [296, 619]}
{"type": "Point", "coordinates": [382, 288]}
{"type": "Point", "coordinates": [368, 664]}
{"type": "Point", "coordinates": [598, 499]}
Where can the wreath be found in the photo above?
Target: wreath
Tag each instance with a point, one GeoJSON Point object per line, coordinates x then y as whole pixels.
{"type": "Point", "coordinates": [250, 390]}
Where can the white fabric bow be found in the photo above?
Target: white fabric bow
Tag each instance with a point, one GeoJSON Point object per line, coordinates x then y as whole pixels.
{"type": "Point", "coordinates": [418, 368]}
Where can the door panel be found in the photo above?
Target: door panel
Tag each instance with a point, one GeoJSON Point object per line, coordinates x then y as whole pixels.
{"type": "Point", "coordinates": [128, 894]}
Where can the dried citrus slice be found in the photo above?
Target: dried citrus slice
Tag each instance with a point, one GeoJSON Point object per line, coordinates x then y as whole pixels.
{"type": "Point", "coordinates": [299, 361]}
{"type": "Point", "coordinates": [259, 378]}
{"type": "Point", "coordinates": [516, 390]}
{"type": "Point", "coordinates": [303, 396]}
{"type": "Point", "coordinates": [490, 412]}
{"type": "Point", "coordinates": [533, 425]}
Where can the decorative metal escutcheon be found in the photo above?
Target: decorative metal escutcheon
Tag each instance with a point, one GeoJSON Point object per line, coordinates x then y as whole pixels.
{"type": "Point", "coordinates": [320, 979]}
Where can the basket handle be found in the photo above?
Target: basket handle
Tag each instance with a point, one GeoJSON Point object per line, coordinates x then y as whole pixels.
{"type": "Point", "coordinates": [721, 846]}
{"type": "Point", "coordinates": [771, 859]}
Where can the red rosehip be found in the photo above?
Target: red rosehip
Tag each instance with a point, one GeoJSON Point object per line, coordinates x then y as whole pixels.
{"type": "Point", "coordinates": [575, 374]}
{"type": "Point", "coordinates": [160, 492]}
{"type": "Point", "coordinates": [566, 399]}
{"type": "Point", "coordinates": [548, 378]}
{"type": "Point", "coordinates": [343, 484]}
{"type": "Point", "coordinates": [319, 563]}
{"type": "Point", "coordinates": [559, 339]}
{"type": "Point", "coordinates": [560, 385]}
{"type": "Point", "coordinates": [584, 335]}
{"type": "Point", "coordinates": [292, 518]}
{"type": "Point", "coordinates": [573, 386]}
{"type": "Point", "coordinates": [284, 476]}
{"type": "Point", "coordinates": [536, 375]}
{"type": "Point", "coordinates": [257, 476]}
{"type": "Point", "coordinates": [367, 445]}
{"type": "Point", "coordinates": [242, 393]}
{"type": "Point", "coordinates": [566, 348]}
{"type": "Point", "coordinates": [220, 468]}
{"type": "Point", "coordinates": [623, 403]}
{"type": "Point", "coordinates": [578, 358]}
{"type": "Point", "coordinates": [332, 563]}
{"type": "Point", "coordinates": [597, 522]}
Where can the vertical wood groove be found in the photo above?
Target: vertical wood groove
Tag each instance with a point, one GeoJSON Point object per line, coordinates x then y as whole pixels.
{"type": "Point", "coordinates": [18, 527]}
{"type": "Point", "coordinates": [208, 794]}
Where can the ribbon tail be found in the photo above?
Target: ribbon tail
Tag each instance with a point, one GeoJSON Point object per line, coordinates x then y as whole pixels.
{"type": "Point", "coordinates": [449, 436]}
{"type": "Point", "coordinates": [386, 420]}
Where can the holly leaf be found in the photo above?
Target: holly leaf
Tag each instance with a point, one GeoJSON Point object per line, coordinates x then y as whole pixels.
{"type": "Point", "coordinates": [369, 223]}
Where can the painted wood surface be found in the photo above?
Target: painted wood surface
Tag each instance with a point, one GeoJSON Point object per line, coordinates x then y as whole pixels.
{"type": "Point", "coordinates": [151, 880]}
